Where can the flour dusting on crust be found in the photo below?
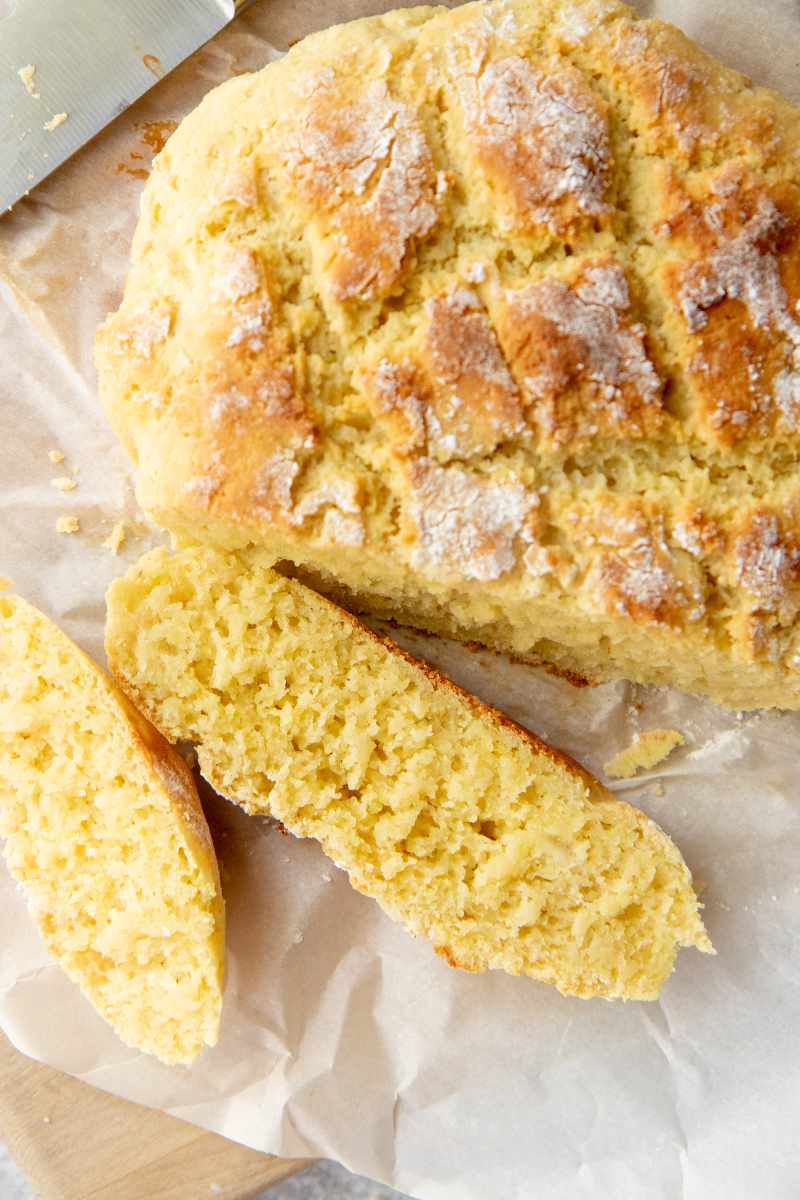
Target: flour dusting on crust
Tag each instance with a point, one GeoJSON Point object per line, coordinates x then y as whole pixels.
{"type": "Point", "coordinates": [570, 337]}
{"type": "Point", "coordinates": [767, 564]}
{"type": "Point", "coordinates": [467, 523]}
{"type": "Point", "coordinates": [367, 161]}
{"type": "Point", "coordinates": [745, 268]}
{"type": "Point", "coordinates": [543, 137]}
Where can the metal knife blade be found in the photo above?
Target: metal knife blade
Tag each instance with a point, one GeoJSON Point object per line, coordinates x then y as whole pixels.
{"type": "Point", "coordinates": [92, 59]}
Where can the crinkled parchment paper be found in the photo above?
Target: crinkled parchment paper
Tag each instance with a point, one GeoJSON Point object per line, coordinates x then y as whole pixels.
{"type": "Point", "coordinates": [341, 1035]}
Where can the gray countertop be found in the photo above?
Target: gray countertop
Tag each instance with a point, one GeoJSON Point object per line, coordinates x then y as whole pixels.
{"type": "Point", "coordinates": [12, 1184]}
{"type": "Point", "coordinates": [325, 1181]}
{"type": "Point", "coordinates": [329, 1181]}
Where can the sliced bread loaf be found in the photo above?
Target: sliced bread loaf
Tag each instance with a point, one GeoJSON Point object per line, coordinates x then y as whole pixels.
{"type": "Point", "coordinates": [465, 828]}
{"type": "Point", "coordinates": [104, 831]}
{"type": "Point", "coordinates": [486, 318]}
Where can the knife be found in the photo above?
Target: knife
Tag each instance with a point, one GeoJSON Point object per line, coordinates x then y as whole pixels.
{"type": "Point", "coordinates": [68, 67]}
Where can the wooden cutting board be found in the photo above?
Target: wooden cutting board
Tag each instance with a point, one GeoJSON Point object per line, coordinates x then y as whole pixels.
{"type": "Point", "coordinates": [76, 1143]}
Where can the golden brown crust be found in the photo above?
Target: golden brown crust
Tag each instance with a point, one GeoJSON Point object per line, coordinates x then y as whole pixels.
{"type": "Point", "coordinates": [737, 285]}
{"type": "Point", "coordinates": [459, 399]}
{"type": "Point", "coordinates": [503, 316]}
{"type": "Point", "coordinates": [178, 781]}
{"type": "Point", "coordinates": [539, 135]}
{"type": "Point", "coordinates": [682, 101]}
{"type": "Point", "coordinates": [360, 168]}
{"type": "Point", "coordinates": [582, 361]}
{"type": "Point", "coordinates": [446, 953]}
{"type": "Point", "coordinates": [571, 677]}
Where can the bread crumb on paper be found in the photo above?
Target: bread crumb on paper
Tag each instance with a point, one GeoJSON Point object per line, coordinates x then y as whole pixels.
{"type": "Point", "coordinates": [646, 751]}
{"type": "Point", "coordinates": [55, 121]}
{"type": "Point", "coordinates": [68, 525]}
{"type": "Point", "coordinates": [55, 456]}
{"type": "Point", "coordinates": [116, 538]}
{"type": "Point", "coordinates": [27, 74]}
{"type": "Point", "coordinates": [64, 483]}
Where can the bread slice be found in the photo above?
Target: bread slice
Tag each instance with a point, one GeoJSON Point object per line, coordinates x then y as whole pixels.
{"type": "Point", "coordinates": [487, 320]}
{"type": "Point", "coordinates": [464, 827]}
{"type": "Point", "coordinates": [104, 831]}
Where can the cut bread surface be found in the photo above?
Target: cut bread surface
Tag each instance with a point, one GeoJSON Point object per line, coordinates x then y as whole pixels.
{"type": "Point", "coordinates": [465, 828]}
{"type": "Point", "coordinates": [105, 834]}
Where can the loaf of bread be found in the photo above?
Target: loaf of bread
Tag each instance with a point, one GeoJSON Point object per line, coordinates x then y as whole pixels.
{"type": "Point", "coordinates": [105, 834]}
{"type": "Point", "coordinates": [464, 827]}
{"type": "Point", "coordinates": [487, 320]}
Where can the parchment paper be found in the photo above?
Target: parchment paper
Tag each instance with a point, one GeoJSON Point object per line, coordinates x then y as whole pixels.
{"type": "Point", "coordinates": [342, 1036]}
